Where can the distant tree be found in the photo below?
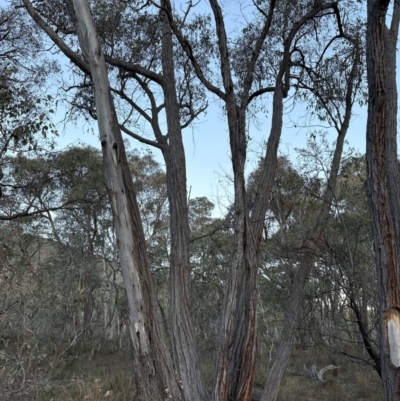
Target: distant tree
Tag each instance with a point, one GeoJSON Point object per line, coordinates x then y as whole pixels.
{"type": "Point", "coordinates": [211, 252]}
{"type": "Point", "coordinates": [340, 309]}
{"type": "Point", "coordinates": [60, 280]}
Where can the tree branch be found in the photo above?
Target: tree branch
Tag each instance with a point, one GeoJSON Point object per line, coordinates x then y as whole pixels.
{"type": "Point", "coordinates": [135, 68]}
{"type": "Point", "coordinates": [187, 48]}
{"type": "Point", "coordinates": [74, 57]}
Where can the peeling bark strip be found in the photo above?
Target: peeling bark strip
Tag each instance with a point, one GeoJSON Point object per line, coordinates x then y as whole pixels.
{"type": "Point", "coordinates": [392, 323]}
{"type": "Point", "coordinates": [155, 377]}
{"type": "Point", "coordinates": [383, 183]}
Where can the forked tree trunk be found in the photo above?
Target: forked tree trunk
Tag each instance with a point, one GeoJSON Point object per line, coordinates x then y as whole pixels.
{"type": "Point", "coordinates": [383, 183]}
{"type": "Point", "coordinates": [235, 367]}
{"type": "Point", "coordinates": [155, 377]}
{"type": "Point", "coordinates": [238, 340]}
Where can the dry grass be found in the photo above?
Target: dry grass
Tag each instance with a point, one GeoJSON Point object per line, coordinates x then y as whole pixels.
{"type": "Point", "coordinates": [350, 382]}
{"type": "Point", "coordinates": [109, 377]}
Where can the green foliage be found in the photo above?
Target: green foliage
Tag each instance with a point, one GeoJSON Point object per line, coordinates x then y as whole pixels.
{"type": "Point", "coordinates": [23, 116]}
{"type": "Point", "coordinates": [25, 112]}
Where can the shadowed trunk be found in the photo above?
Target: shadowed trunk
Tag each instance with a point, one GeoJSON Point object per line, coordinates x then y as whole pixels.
{"type": "Point", "coordinates": [383, 183]}
{"type": "Point", "coordinates": [183, 342]}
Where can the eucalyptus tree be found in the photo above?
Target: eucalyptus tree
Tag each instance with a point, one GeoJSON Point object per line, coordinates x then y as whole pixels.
{"type": "Point", "coordinates": [143, 63]}
{"type": "Point", "coordinates": [83, 230]}
{"type": "Point", "coordinates": [268, 56]}
{"type": "Point", "coordinates": [350, 285]}
{"type": "Point", "coordinates": [210, 248]}
{"type": "Point", "coordinates": [24, 68]}
{"type": "Point", "coordinates": [59, 276]}
{"type": "Point", "coordinates": [154, 371]}
{"type": "Point", "coordinates": [383, 180]}
{"type": "Point", "coordinates": [30, 187]}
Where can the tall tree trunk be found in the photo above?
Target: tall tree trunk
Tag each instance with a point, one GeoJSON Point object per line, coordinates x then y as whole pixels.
{"type": "Point", "coordinates": [235, 366]}
{"type": "Point", "coordinates": [274, 380]}
{"type": "Point", "coordinates": [155, 376]}
{"type": "Point", "coordinates": [238, 339]}
{"type": "Point", "coordinates": [236, 357]}
{"type": "Point", "coordinates": [183, 342]}
{"type": "Point", "coordinates": [237, 352]}
{"type": "Point", "coordinates": [238, 342]}
{"type": "Point", "coordinates": [383, 183]}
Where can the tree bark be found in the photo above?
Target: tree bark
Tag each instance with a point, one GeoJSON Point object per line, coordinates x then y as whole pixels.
{"type": "Point", "coordinates": [184, 349]}
{"type": "Point", "coordinates": [183, 342]}
{"type": "Point", "coordinates": [383, 183]}
{"type": "Point", "coordinates": [235, 366]}
{"type": "Point", "coordinates": [237, 352]}
{"type": "Point", "coordinates": [155, 377]}
{"type": "Point", "coordinates": [236, 355]}
{"type": "Point", "coordinates": [238, 339]}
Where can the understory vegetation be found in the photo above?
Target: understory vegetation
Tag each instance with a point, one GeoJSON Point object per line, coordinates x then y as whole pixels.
{"type": "Point", "coordinates": [64, 331]}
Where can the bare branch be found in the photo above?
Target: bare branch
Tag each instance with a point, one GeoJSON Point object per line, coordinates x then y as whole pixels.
{"type": "Point", "coordinates": [260, 92]}
{"type": "Point", "coordinates": [140, 138]}
{"type": "Point", "coordinates": [248, 81]}
{"type": "Point", "coordinates": [135, 68]}
{"type": "Point", "coordinates": [28, 213]}
{"type": "Point", "coordinates": [187, 48]}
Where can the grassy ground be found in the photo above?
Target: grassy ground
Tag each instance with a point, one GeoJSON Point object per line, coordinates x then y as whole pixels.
{"type": "Point", "coordinates": [349, 382]}
{"type": "Point", "coordinates": [105, 377]}
{"type": "Point", "coordinates": [108, 377]}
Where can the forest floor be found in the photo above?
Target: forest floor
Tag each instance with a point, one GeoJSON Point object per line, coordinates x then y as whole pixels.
{"type": "Point", "coordinates": [108, 377]}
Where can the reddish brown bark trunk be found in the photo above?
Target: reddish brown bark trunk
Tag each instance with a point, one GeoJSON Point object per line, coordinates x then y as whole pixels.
{"type": "Point", "coordinates": [383, 183]}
